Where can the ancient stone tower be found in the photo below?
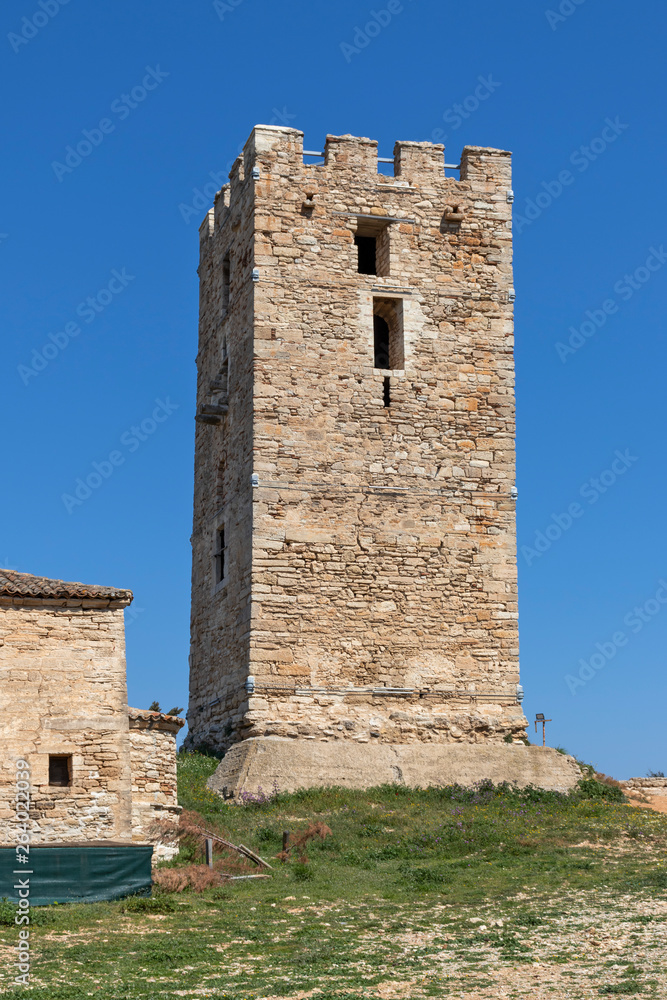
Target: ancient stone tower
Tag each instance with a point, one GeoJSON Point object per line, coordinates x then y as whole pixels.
{"type": "Point", "coordinates": [354, 572]}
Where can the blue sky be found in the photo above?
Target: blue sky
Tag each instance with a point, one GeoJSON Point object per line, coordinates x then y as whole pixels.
{"type": "Point", "coordinates": [99, 264]}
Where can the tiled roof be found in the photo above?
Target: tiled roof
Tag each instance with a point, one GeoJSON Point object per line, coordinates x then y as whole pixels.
{"type": "Point", "coordinates": [146, 716]}
{"type": "Point", "coordinates": [15, 584]}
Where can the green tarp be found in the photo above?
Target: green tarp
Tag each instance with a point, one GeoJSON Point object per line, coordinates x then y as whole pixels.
{"type": "Point", "coordinates": [78, 873]}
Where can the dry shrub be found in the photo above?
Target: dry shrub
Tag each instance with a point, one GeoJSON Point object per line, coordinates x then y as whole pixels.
{"type": "Point", "coordinates": [193, 830]}
{"type": "Point", "coordinates": [192, 826]}
{"type": "Point", "coordinates": [606, 780]}
{"type": "Point", "coordinates": [297, 841]}
{"type": "Point", "coordinates": [197, 877]}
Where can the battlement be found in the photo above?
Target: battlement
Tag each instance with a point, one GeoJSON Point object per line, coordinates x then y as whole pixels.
{"type": "Point", "coordinates": [277, 152]}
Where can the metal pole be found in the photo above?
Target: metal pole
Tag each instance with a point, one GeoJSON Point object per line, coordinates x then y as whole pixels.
{"type": "Point", "coordinates": [209, 852]}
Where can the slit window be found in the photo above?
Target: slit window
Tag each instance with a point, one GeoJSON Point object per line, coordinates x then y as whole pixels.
{"type": "Point", "coordinates": [60, 770]}
{"type": "Point", "coordinates": [226, 273]}
{"type": "Point", "coordinates": [388, 349]}
{"type": "Point", "coordinates": [220, 555]}
{"type": "Point", "coordinates": [386, 391]}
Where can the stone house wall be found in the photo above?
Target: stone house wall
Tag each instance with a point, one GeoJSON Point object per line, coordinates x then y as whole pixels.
{"type": "Point", "coordinates": [371, 587]}
{"type": "Point", "coordinates": [63, 694]}
{"type": "Point", "coordinates": [62, 691]}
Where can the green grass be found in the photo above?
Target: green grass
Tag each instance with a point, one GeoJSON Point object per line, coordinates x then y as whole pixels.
{"type": "Point", "coordinates": [399, 862]}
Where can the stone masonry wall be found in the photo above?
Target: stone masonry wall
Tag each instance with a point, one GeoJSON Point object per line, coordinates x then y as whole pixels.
{"type": "Point", "coordinates": [648, 786]}
{"type": "Point", "coordinates": [153, 766]}
{"type": "Point", "coordinates": [220, 626]}
{"type": "Point", "coordinates": [372, 570]}
{"type": "Point", "coordinates": [63, 691]}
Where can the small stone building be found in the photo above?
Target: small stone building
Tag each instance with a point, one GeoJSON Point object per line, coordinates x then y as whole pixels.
{"type": "Point", "coordinates": [98, 769]}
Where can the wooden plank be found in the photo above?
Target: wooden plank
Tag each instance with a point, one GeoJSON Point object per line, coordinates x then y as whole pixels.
{"type": "Point", "coordinates": [240, 848]}
{"type": "Point", "coordinates": [253, 857]}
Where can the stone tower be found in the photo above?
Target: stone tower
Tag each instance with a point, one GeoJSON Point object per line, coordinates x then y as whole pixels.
{"type": "Point", "coordinates": [354, 570]}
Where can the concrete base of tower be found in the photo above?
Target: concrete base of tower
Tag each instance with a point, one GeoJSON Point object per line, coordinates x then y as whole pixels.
{"type": "Point", "coordinates": [274, 763]}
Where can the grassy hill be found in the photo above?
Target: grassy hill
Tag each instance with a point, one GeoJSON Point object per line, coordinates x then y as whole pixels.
{"type": "Point", "coordinates": [438, 892]}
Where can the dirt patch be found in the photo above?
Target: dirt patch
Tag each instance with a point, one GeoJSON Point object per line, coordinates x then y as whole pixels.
{"type": "Point", "coordinates": [656, 802]}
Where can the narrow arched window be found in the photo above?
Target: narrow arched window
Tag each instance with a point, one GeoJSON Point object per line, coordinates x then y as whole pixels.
{"type": "Point", "coordinates": [388, 333]}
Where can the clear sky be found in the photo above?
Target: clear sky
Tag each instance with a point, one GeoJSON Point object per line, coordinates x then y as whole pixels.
{"type": "Point", "coordinates": [99, 251]}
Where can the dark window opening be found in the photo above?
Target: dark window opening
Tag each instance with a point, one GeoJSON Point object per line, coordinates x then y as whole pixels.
{"type": "Point", "coordinates": [388, 350]}
{"type": "Point", "coordinates": [60, 771]}
{"type": "Point", "coordinates": [373, 249]}
{"type": "Point", "coordinates": [220, 568]}
{"type": "Point", "coordinates": [380, 342]}
{"type": "Point", "coordinates": [386, 391]}
{"type": "Point", "coordinates": [226, 271]}
{"type": "Point", "coordinates": [366, 254]}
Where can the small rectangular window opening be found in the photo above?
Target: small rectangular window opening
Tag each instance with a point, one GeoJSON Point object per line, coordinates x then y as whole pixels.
{"type": "Point", "coordinates": [220, 560]}
{"type": "Point", "coordinates": [366, 253]}
{"type": "Point", "coordinates": [60, 770]}
{"type": "Point", "coordinates": [226, 272]}
{"type": "Point", "coordinates": [372, 242]}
